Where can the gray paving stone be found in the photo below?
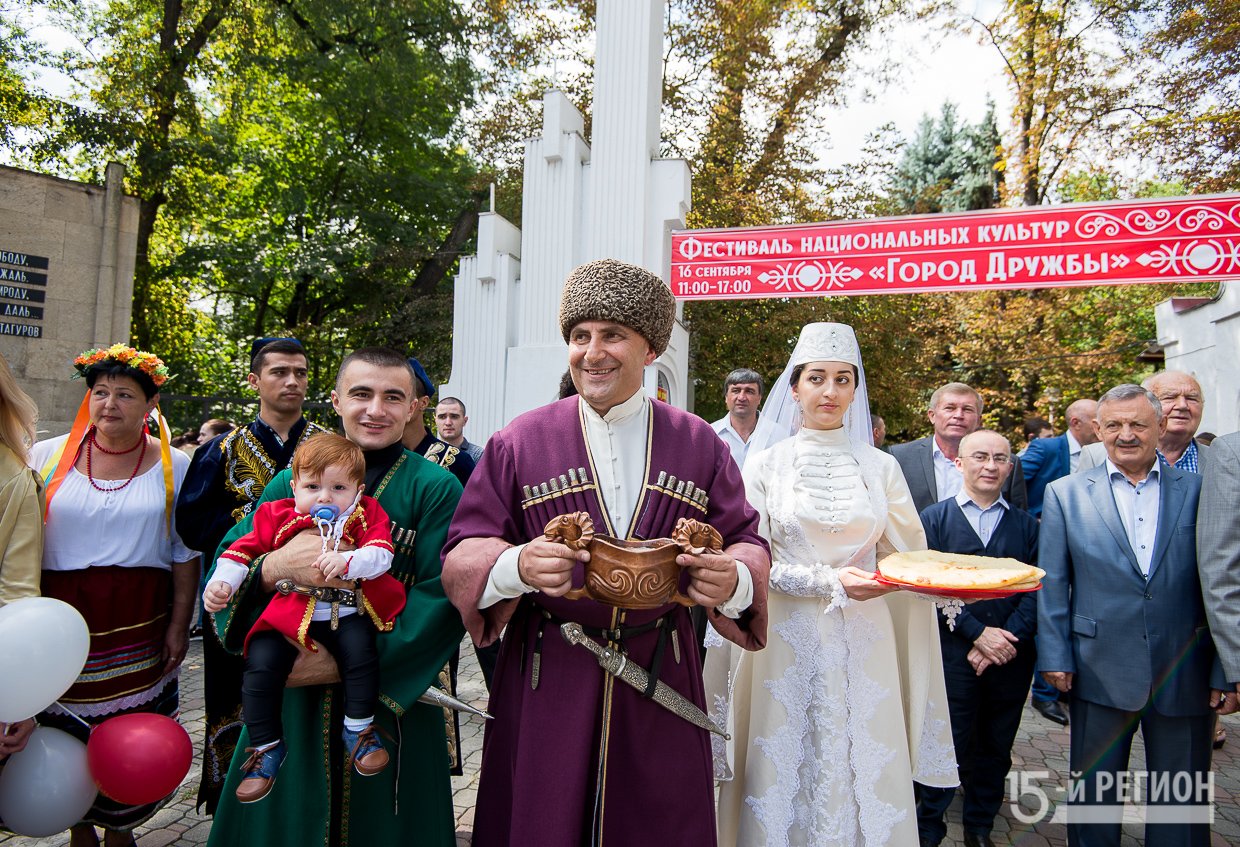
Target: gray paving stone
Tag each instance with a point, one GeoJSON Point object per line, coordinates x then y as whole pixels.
{"type": "Point", "coordinates": [1041, 748]}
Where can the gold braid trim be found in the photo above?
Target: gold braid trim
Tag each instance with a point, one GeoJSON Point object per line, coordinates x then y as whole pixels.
{"type": "Point", "coordinates": [380, 624]}
{"type": "Point", "coordinates": [304, 627]}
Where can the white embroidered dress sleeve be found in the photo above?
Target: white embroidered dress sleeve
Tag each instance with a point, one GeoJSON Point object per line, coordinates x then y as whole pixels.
{"type": "Point", "coordinates": [825, 717]}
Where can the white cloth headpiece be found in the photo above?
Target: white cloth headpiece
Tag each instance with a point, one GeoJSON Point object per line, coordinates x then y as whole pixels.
{"type": "Point", "coordinates": [822, 342]}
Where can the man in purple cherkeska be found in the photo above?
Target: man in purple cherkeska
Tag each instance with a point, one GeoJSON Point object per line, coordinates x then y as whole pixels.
{"type": "Point", "coordinates": [574, 756]}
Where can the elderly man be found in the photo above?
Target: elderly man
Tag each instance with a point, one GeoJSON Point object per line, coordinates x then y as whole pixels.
{"type": "Point", "coordinates": [450, 420]}
{"type": "Point", "coordinates": [574, 756]}
{"type": "Point", "coordinates": [1182, 403]}
{"type": "Point", "coordinates": [929, 464]}
{"type": "Point", "coordinates": [742, 428]}
{"type": "Point", "coordinates": [316, 800]}
{"type": "Point", "coordinates": [1122, 625]}
{"type": "Point", "coordinates": [224, 482]}
{"type": "Point", "coordinates": [988, 655]}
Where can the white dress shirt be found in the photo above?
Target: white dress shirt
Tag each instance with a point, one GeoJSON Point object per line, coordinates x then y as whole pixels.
{"type": "Point", "coordinates": [983, 520]}
{"type": "Point", "coordinates": [763, 436]}
{"type": "Point", "coordinates": [1138, 510]}
{"type": "Point", "coordinates": [612, 438]}
{"type": "Point", "coordinates": [947, 477]}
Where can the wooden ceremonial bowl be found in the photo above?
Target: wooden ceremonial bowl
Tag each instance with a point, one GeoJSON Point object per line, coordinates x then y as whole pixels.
{"type": "Point", "coordinates": [632, 574]}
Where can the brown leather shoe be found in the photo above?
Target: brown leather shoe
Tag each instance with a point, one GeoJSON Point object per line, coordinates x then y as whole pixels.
{"type": "Point", "coordinates": [260, 772]}
{"type": "Point", "coordinates": [366, 751]}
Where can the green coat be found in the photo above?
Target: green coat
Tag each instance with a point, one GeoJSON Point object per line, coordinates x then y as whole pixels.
{"type": "Point", "coordinates": [315, 801]}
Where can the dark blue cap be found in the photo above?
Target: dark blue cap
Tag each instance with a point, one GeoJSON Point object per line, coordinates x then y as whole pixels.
{"type": "Point", "coordinates": [258, 344]}
{"type": "Point", "coordinates": [423, 377]}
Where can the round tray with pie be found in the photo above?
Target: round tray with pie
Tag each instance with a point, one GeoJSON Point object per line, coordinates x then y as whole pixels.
{"type": "Point", "coordinates": [958, 575]}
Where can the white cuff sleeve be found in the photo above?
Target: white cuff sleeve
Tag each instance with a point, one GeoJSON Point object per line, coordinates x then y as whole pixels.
{"type": "Point", "coordinates": [504, 581]}
{"type": "Point", "coordinates": [233, 573]}
{"type": "Point", "coordinates": [368, 562]}
{"type": "Point", "coordinates": [742, 598]}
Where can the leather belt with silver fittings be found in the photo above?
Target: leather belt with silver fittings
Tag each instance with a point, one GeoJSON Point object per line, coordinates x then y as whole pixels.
{"type": "Point", "coordinates": [336, 596]}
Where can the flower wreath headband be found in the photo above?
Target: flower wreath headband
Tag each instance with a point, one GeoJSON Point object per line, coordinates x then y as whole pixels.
{"type": "Point", "coordinates": [138, 360]}
{"type": "Point", "coordinates": [61, 460]}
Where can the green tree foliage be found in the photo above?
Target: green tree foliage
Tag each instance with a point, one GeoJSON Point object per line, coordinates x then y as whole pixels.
{"type": "Point", "coordinates": [298, 165]}
{"type": "Point", "coordinates": [1067, 81]}
{"type": "Point", "coordinates": [1194, 117]}
{"type": "Point", "coordinates": [950, 166]}
{"type": "Point", "coordinates": [751, 82]}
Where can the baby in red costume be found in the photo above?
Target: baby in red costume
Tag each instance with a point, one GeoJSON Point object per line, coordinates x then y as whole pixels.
{"type": "Point", "coordinates": [328, 473]}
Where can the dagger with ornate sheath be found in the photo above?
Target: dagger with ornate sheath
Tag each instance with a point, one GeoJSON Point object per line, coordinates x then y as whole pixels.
{"type": "Point", "coordinates": [436, 696]}
{"type": "Point", "coordinates": [631, 673]}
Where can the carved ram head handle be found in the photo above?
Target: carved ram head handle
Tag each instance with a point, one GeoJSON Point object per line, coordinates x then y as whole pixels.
{"type": "Point", "coordinates": [575, 530]}
{"type": "Point", "coordinates": [697, 537]}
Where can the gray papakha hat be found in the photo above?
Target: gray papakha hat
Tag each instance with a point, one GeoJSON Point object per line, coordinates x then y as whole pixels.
{"type": "Point", "coordinates": [609, 290]}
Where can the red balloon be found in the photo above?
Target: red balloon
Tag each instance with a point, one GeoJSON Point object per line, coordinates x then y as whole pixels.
{"type": "Point", "coordinates": [138, 758]}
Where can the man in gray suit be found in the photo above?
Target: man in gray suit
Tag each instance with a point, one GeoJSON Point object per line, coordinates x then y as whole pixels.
{"type": "Point", "coordinates": [1182, 405]}
{"type": "Point", "coordinates": [1218, 547]}
{"type": "Point", "coordinates": [929, 464]}
{"type": "Point", "coordinates": [1122, 625]}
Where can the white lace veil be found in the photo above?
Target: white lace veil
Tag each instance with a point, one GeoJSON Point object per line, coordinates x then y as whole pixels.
{"type": "Point", "coordinates": [821, 342]}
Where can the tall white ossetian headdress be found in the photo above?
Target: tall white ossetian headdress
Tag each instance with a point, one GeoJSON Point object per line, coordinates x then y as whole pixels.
{"type": "Point", "coordinates": [822, 342]}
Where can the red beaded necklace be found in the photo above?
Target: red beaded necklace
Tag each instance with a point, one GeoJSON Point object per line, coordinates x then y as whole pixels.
{"type": "Point", "coordinates": [141, 440]}
{"type": "Point", "coordinates": [92, 443]}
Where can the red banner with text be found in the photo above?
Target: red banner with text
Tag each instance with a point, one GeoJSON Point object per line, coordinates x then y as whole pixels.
{"type": "Point", "coordinates": [1165, 240]}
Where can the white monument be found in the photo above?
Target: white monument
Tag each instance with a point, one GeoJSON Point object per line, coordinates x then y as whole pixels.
{"type": "Point", "coordinates": [1201, 336]}
{"type": "Point", "coordinates": [612, 198]}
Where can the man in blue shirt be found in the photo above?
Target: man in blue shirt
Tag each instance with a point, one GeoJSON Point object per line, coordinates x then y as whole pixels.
{"type": "Point", "coordinates": [988, 655]}
{"type": "Point", "coordinates": [1122, 625]}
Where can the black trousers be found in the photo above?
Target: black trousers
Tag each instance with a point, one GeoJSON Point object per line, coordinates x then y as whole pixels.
{"type": "Point", "coordinates": [985, 714]}
{"type": "Point", "coordinates": [1177, 757]}
{"type": "Point", "coordinates": [269, 660]}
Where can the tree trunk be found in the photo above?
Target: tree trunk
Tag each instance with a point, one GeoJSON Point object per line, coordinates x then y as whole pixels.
{"type": "Point", "coordinates": [148, 212]}
{"type": "Point", "coordinates": [437, 266]}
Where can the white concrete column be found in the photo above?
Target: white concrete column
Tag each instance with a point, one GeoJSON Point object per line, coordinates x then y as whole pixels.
{"type": "Point", "coordinates": [551, 219]}
{"type": "Point", "coordinates": [628, 88]}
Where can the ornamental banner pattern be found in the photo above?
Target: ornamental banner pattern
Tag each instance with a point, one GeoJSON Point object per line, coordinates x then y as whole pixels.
{"type": "Point", "coordinates": [1160, 240]}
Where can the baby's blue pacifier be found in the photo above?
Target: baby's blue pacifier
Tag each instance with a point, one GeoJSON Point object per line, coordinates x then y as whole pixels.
{"type": "Point", "coordinates": [327, 513]}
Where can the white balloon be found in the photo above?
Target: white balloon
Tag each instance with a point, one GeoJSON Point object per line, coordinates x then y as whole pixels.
{"type": "Point", "coordinates": [43, 646]}
{"type": "Point", "coordinates": [46, 788]}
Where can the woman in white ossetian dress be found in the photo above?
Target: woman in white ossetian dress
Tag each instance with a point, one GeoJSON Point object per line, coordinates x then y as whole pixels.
{"type": "Point", "coordinates": [845, 707]}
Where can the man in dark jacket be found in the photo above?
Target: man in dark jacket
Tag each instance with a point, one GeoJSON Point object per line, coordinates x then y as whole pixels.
{"type": "Point", "coordinates": [988, 656]}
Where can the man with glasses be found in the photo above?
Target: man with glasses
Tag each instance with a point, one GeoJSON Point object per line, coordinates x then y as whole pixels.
{"type": "Point", "coordinates": [988, 656]}
{"type": "Point", "coordinates": [1182, 406]}
{"type": "Point", "coordinates": [929, 464]}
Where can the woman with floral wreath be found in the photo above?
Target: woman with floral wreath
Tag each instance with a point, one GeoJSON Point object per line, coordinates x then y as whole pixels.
{"type": "Point", "coordinates": [111, 551]}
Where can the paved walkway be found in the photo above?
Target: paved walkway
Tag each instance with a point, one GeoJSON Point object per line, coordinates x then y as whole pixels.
{"type": "Point", "coordinates": [1040, 753]}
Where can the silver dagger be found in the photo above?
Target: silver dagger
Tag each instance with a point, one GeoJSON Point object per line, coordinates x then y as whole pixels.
{"type": "Point", "coordinates": [436, 696]}
{"type": "Point", "coordinates": [618, 665]}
